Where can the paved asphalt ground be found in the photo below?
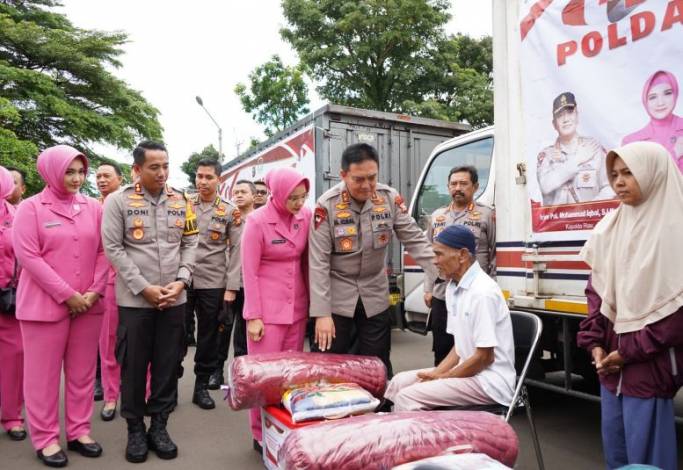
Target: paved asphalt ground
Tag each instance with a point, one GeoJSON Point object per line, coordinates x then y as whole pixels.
{"type": "Point", "coordinates": [569, 430]}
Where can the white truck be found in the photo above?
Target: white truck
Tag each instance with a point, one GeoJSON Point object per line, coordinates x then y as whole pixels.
{"type": "Point", "coordinates": [602, 54]}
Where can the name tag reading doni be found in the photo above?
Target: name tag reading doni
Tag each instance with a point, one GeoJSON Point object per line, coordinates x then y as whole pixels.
{"type": "Point", "coordinates": [278, 242]}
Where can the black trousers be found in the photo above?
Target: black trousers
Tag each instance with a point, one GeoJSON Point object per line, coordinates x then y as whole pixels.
{"type": "Point", "coordinates": [149, 336]}
{"type": "Point", "coordinates": [238, 328]}
{"type": "Point", "coordinates": [442, 341]}
{"type": "Point", "coordinates": [369, 336]}
{"type": "Point", "coordinates": [208, 304]}
{"type": "Point", "coordinates": [189, 318]}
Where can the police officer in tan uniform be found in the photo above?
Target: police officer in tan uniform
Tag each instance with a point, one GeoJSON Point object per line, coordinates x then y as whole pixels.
{"type": "Point", "coordinates": [573, 169]}
{"type": "Point", "coordinates": [353, 225]}
{"type": "Point", "coordinates": [216, 276]}
{"type": "Point", "coordinates": [149, 234]}
{"type": "Point", "coordinates": [463, 183]}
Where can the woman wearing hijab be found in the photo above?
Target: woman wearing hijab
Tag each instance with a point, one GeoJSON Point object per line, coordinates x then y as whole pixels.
{"type": "Point", "coordinates": [56, 238]}
{"type": "Point", "coordinates": [11, 349]}
{"type": "Point", "coordinates": [635, 297]}
{"type": "Point", "coordinates": [275, 272]}
{"type": "Point", "coordinates": [660, 95]}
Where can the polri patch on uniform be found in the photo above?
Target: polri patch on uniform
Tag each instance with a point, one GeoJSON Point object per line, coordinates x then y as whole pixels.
{"type": "Point", "coordinates": [382, 238]}
{"type": "Point", "coordinates": [400, 203]}
{"type": "Point", "coordinates": [138, 222]}
{"type": "Point", "coordinates": [179, 223]}
{"type": "Point", "coordinates": [346, 244]}
{"type": "Point", "coordinates": [138, 233]}
{"type": "Point", "coordinates": [215, 235]}
{"type": "Point", "coordinates": [319, 216]}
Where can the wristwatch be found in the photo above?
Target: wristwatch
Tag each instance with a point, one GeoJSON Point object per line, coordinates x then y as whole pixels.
{"type": "Point", "coordinates": [186, 282]}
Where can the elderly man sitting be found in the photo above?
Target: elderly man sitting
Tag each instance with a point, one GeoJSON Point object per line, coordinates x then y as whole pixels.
{"type": "Point", "coordinates": [480, 369]}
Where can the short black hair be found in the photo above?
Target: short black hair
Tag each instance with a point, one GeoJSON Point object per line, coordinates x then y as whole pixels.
{"type": "Point", "coordinates": [115, 166]}
{"type": "Point", "coordinates": [213, 163]}
{"type": "Point", "coordinates": [261, 182]}
{"type": "Point", "coordinates": [474, 176]}
{"type": "Point", "coordinates": [357, 153]}
{"type": "Point", "coordinates": [20, 171]}
{"type": "Point", "coordinates": [139, 152]}
{"type": "Point", "coordinates": [252, 186]}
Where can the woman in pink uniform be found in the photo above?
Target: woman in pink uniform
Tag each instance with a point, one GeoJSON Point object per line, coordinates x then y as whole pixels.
{"type": "Point", "coordinates": [660, 95]}
{"type": "Point", "coordinates": [11, 349]}
{"type": "Point", "coordinates": [275, 272]}
{"type": "Point", "coordinates": [56, 236]}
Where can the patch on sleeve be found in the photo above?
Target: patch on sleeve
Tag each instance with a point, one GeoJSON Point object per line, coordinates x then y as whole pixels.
{"type": "Point", "coordinates": [319, 216]}
{"type": "Point", "coordinates": [400, 203]}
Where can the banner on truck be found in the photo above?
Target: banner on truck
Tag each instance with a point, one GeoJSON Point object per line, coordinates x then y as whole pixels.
{"type": "Point", "coordinates": [296, 151]}
{"type": "Point", "coordinates": [596, 74]}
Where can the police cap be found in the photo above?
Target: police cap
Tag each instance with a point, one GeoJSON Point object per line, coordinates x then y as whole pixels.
{"type": "Point", "coordinates": [564, 100]}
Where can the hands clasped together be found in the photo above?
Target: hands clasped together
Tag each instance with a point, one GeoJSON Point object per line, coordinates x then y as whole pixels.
{"type": "Point", "coordinates": [162, 297]}
{"type": "Point", "coordinates": [606, 364]}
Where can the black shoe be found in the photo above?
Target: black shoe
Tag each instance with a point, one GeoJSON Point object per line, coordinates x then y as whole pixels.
{"type": "Point", "coordinates": [158, 439]}
{"type": "Point", "coordinates": [202, 399]}
{"type": "Point", "coordinates": [257, 447]}
{"type": "Point", "coordinates": [108, 414]}
{"type": "Point", "coordinates": [99, 393]}
{"type": "Point", "coordinates": [58, 459]}
{"type": "Point", "coordinates": [216, 380]}
{"type": "Point", "coordinates": [190, 341]}
{"type": "Point", "coordinates": [86, 450]}
{"type": "Point", "coordinates": [17, 435]}
{"type": "Point", "coordinates": [136, 448]}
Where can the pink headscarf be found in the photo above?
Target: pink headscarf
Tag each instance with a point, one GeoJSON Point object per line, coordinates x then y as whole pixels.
{"type": "Point", "coordinates": [6, 188]}
{"type": "Point", "coordinates": [280, 183]}
{"type": "Point", "coordinates": [6, 183]}
{"type": "Point", "coordinates": [659, 77]}
{"type": "Point", "coordinates": [52, 165]}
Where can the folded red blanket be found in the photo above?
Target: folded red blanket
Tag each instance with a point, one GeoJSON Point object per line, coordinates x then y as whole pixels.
{"type": "Point", "coordinates": [261, 379]}
{"type": "Point", "coordinates": [384, 440]}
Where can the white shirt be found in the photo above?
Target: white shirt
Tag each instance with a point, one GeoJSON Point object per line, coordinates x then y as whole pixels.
{"type": "Point", "coordinates": [478, 317]}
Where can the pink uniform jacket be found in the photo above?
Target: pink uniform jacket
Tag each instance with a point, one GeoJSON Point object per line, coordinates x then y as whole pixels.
{"type": "Point", "coordinates": [60, 254]}
{"type": "Point", "coordinates": [274, 257]}
{"type": "Point", "coordinates": [6, 251]}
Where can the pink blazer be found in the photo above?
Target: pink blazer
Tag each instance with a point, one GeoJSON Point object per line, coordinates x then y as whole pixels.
{"type": "Point", "coordinates": [6, 250]}
{"type": "Point", "coordinates": [275, 267]}
{"type": "Point", "coordinates": [647, 134]}
{"type": "Point", "coordinates": [59, 254]}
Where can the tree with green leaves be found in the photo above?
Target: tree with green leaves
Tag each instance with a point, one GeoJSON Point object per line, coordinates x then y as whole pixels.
{"type": "Point", "coordinates": [189, 166]}
{"type": "Point", "coordinates": [392, 55]}
{"type": "Point", "coordinates": [277, 95]}
{"type": "Point", "coordinates": [56, 87]}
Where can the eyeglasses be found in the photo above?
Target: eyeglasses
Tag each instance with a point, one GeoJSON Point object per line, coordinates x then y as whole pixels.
{"type": "Point", "coordinates": [261, 192]}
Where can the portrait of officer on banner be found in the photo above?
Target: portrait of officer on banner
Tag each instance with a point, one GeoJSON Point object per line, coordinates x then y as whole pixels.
{"type": "Point", "coordinates": [572, 169]}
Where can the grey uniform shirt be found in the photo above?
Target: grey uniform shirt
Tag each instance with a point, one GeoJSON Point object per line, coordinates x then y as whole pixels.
{"type": "Point", "coordinates": [144, 238]}
{"type": "Point", "coordinates": [218, 249]}
{"type": "Point", "coordinates": [481, 220]}
{"type": "Point", "coordinates": [347, 250]}
{"type": "Point", "coordinates": [570, 175]}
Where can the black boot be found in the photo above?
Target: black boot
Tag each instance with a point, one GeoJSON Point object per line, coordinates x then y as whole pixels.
{"type": "Point", "coordinates": [216, 379]}
{"type": "Point", "coordinates": [159, 440]}
{"type": "Point", "coordinates": [136, 449]}
{"type": "Point", "coordinates": [99, 392]}
{"type": "Point", "coordinates": [201, 397]}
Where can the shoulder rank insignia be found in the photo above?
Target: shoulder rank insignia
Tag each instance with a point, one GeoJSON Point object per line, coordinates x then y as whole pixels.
{"type": "Point", "coordinates": [470, 207]}
{"type": "Point", "coordinates": [346, 197]}
{"type": "Point", "coordinates": [400, 203]}
{"type": "Point", "coordinates": [377, 199]}
{"type": "Point", "coordinates": [319, 216]}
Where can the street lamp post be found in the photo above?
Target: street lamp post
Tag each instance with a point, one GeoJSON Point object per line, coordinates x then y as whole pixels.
{"type": "Point", "coordinates": [220, 131]}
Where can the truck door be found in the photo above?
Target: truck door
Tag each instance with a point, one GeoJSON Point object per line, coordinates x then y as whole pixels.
{"type": "Point", "coordinates": [476, 150]}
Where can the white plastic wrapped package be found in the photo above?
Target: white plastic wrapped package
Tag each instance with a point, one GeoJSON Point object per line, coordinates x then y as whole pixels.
{"type": "Point", "coordinates": [455, 462]}
{"type": "Point", "coordinates": [382, 441]}
{"type": "Point", "coordinates": [261, 379]}
{"type": "Point", "coordinates": [327, 401]}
